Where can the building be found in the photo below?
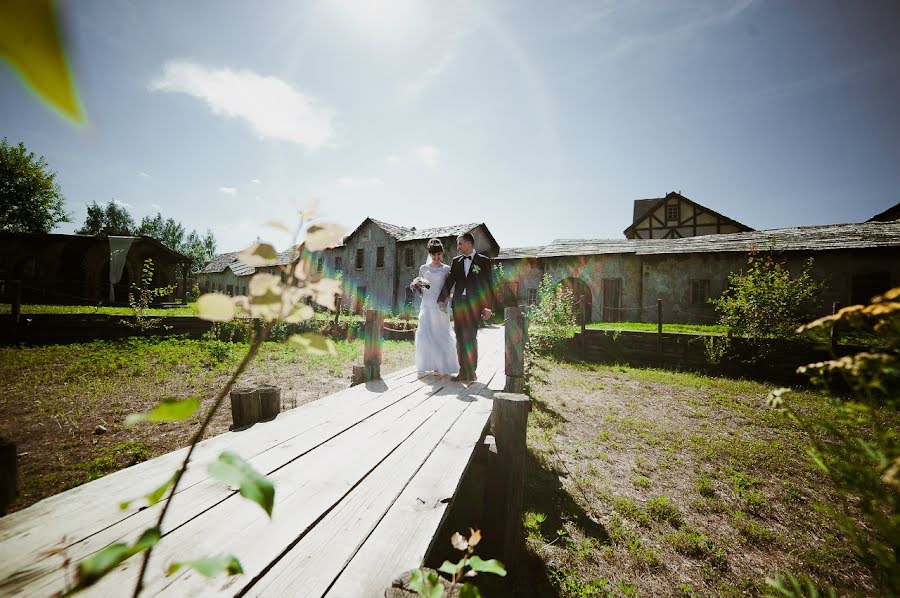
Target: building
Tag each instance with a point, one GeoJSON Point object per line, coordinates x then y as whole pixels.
{"type": "Point", "coordinates": [622, 279]}
{"type": "Point", "coordinates": [83, 269]}
{"type": "Point", "coordinates": [892, 213]}
{"type": "Point", "coordinates": [675, 216]}
{"type": "Point", "coordinates": [376, 262]}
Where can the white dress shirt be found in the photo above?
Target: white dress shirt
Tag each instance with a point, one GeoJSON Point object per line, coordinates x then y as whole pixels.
{"type": "Point", "coordinates": [467, 264]}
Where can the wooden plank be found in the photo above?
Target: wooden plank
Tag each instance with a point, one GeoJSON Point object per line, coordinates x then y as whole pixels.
{"type": "Point", "coordinates": [306, 489]}
{"type": "Point", "coordinates": [91, 511]}
{"type": "Point", "coordinates": [311, 566]}
{"type": "Point", "coordinates": [416, 514]}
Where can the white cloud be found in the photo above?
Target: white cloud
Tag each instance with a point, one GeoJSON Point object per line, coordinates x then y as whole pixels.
{"type": "Point", "coordinates": [144, 174]}
{"type": "Point", "coordinates": [155, 206]}
{"type": "Point", "coordinates": [257, 181]}
{"type": "Point", "coordinates": [428, 154]}
{"type": "Point", "coordinates": [353, 182]}
{"type": "Point", "coordinates": [228, 190]}
{"type": "Point", "coordinates": [272, 107]}
{"type": "Point", "coordinates": [121, 204]}
{"type": "Point", "coordinates": [393, 160]}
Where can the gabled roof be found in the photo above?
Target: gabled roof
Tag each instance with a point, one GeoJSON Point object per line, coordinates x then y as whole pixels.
{"type": "Point", "coordinates": [439, 231]}
{"type": "Point", "coordinates": [229, 260]}
{"type": "Point", "coordinates": [866, 235]}
{"type": "Point", "coordinates": [644, 207]}
{"type": "Point", "coordinates": [392, 229]}
{"type": "Point", "coordinates": [511, 253]}
{"type": "Point", "coordinates": [892, 213]}
{"type": "Point", "coordinates": [180, 257]}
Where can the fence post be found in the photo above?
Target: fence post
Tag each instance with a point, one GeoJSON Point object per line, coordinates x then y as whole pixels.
{"type": "Point", "coordinates": [509, 421]}
{"type": "Point", "coordinates": [337, 308]}
{"type": "Point", "coordinates": [516, 336]}
{"type": "Point", "coordinates": [833, 336]}
{"type": "Point", "coordinates": [374, 341]}
{"type": "Point", "coordinates": [15, 290]}
{"type": "Point", "coordinates": [659, 323]}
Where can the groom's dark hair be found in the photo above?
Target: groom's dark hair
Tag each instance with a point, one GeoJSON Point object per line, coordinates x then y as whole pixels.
{"type": "Point", "coordinates": [468, 237]}
{"type": "Point", "coordinates": [435, 246]}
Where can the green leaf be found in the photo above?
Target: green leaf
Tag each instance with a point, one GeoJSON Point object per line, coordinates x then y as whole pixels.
{"type": "Point", "coordinates": [210, 566]}
{"type": "Point", "coordinates": [167, 410]}
{"type": "Point", "coordinates": [315, 344]}
{"type": "Point", "coordinates": [469, 591]}
{"type": "Point", "coordinates": [93, 568]}
{"type": "Point", "coordinates": [451, 569]}
{"type": "Point", "coordinates": [233, 470]}
{"type": "Point", "coordinates": [322, 236]}
{"type": "Point", "coordinates": [433, 588]}
{"type": "Point", "coordinates": [215, 307]}
{"type": "Point", "coordinates": [492, 566]}
{"type": "Point", "coordinates": [156, 495]}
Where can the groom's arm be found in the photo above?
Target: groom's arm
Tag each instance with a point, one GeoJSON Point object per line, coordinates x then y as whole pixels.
{"type": "Point", "coordinates": [448, 285]}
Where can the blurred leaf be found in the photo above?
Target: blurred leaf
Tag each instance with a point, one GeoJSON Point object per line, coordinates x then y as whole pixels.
{"type": "Point", "coordinates": [233, 470]}
{"type": "Point", "coordinates": [95, 567]}
{"type": "Point", "coordinates": [210, 566]}
{"type": "Point", "coordinates": [30, 41]}
{"type": "Point", "coordinates": [452, 569]}
{"type": "Point", "coordinates": [259, 254]}
{"type": "Point", "coordinates": [310, 210]}
{"type": "Point", "coordinates": [458, 541]}
{"type": "Point", "coordinates": [154, 496]}
{"type": "Point", "coordinates": [323, 236]}
{"type": "Point", "coordinates": [313, 343]}
{"type": "Point", "coordinates": [301, 313]}
{"type": "Point", "coordinates": [277, 224]}
{"type": "Point", "coordinates": [215, 307]}
{"type": "Point", "coordinates": [264, 284]}
{"type": "Point", "coordinates": [492, 566]}
{"type": "Point", "coordinates": [426, 585]}
{"type": "Point", "coordinates": [167, 410]}
{"type": "Point", "coordinates": [469, 591]}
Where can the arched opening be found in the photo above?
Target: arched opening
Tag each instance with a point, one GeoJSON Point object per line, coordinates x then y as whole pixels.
{"type": "Point", "coordinates": [583, 297]}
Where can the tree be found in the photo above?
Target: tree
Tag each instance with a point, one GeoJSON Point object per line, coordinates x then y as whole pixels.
{"type": "Point", "coordinates": [30, 198]}
{"type": "Point", "coordinates": [171, 233]}
{"type": "Point", "coordinates": [114, 219]}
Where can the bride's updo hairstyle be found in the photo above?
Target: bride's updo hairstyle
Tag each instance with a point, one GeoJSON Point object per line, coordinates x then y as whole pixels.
{"type": "Point", "coordinates": [435, 246]}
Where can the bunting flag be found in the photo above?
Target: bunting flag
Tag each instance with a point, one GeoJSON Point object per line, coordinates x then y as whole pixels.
{"type": "Point", "coordinates": [31, 43]}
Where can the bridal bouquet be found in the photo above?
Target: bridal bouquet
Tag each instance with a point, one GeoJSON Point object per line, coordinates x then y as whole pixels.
{"type": "Point", "coordinates": [419, 284]}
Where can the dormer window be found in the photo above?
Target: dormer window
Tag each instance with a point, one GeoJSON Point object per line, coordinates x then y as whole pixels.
{"type": "Point", "coordinates": [672, 212]}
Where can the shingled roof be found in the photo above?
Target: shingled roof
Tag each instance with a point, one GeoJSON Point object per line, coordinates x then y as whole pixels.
{"type": "Point", "coordinates": [438, 232]}
{"type": "Point", "coordinates": [512, 253]}
{"type": "Point", "coordinates": [229, 260]}
{"type": "Point", "coordinates": [866, 235]}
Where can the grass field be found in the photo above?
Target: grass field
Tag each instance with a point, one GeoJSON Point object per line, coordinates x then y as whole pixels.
{"type": "Point", "coordinates": [652, 327]}
{"type": "Point", "coordinates": [53, 397]}
{"type": "Point", "coordinates": [655, 483]}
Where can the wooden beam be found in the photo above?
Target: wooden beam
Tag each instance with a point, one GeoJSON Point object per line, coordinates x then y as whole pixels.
{"type": "Point", "coordinates": [516, 337]}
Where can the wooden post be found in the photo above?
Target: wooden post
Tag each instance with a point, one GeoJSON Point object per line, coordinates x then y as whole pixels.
{"type": "Point", "coordinates": [15, 290]}
{"type": "Point", "coordinates": [659, 323]}
{"type": "Point", "coordinates": [503, 522]}
{"type": "Point", "coordinates": [516, 334]}
{"type": "Point", "coordinates": [833, 335]}
{"type": "Point", "coordinates": [9, 476]}
{"type": "Point", "coordinates": [337, 308]}
{"type": "Point", "coordinates": [245, 407]}
{"type": "Point", "coordinates": [269, 401]}
{"type": "Point", "coordinates": [374, 341]}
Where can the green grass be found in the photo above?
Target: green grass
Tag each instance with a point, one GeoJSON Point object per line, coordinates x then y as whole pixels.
{"type": "Point", "coordinates": [186, 310]}
{"type": "Point", "coordinates": [715, 329]}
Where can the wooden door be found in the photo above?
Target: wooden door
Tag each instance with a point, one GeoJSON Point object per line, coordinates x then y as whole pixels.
{"type": "Point", "coordinates": [612, 300]}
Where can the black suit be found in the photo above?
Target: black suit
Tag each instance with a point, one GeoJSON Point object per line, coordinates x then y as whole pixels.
{"type": "Point", "coordinates": [471, 294]}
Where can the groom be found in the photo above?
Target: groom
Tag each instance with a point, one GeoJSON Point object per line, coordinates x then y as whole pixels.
{"type": "Point", "coordinates": [472, 283]}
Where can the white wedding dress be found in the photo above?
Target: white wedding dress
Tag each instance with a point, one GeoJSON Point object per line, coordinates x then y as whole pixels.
{"type": "Point", "coordinates": [435, 341]}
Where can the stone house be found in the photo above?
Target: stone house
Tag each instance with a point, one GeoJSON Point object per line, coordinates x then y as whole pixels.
{"type": "Point", "coordinates": [83, 269]}
{"type": "Point", "coordinates": [378, 260]}
{"type": "Point", "coordinates": [225, 273]}
{"type": "Point", "coordinates": [622, 279]}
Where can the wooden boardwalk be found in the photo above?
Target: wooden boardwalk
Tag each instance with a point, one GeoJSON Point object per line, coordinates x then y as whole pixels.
{"type": "Point", "coordinates": [362, 481]}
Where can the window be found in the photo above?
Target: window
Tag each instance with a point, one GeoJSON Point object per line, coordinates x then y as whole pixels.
{"type": "Point", "coordinates": [360, 258]}
{"type": "Point", "coordinates": [699, 292]}
{"type": "Point", "coordinates": [409, 296]}
{"type": "Point", "coordinates": [361, 291]}
{"type": "Point", "coordinates": [320, 264]}
{"type": "Point", "coordinates": [532, 296]}
{"type": "Point", "coordinates": [672, 212]}
{"type": "Point", "coordinates": [408, 257]}
{"type": "Point", "coordinates": [231, 289]}
{"type": "Point", "coordinates": [338, 263]}
{"type": "Point", "coordinates": [379, 257]}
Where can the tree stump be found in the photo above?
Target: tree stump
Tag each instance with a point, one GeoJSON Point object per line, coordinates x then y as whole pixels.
{"type": "Point", "coordinates": [245, 407]}
{"type": "Point", "coordinates": [269, 401]}
{"type": "Point", "coordinates": [9, 475]}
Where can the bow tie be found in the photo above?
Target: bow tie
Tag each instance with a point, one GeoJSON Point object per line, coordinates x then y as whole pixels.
{"type": "Point", "coordinates": [467, 257]}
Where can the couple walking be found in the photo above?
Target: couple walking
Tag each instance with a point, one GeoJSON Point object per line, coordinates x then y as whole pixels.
{"type": "Point", "coordinates": [469, 280]}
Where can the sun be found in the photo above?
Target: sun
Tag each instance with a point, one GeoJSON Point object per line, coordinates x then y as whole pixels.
{"type": "Point", "coordinates": [381, 18]}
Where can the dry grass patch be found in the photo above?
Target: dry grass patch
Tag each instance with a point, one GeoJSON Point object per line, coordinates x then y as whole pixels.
{"type": "Point", "coordinates": [659, 483]}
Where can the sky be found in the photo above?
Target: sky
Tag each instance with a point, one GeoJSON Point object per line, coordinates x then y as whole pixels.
{"type": "Point", "coordinates": [543, 120]}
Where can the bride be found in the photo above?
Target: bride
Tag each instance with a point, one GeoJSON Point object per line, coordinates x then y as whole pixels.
{"type": "Point", "coordinates": [435, 342]}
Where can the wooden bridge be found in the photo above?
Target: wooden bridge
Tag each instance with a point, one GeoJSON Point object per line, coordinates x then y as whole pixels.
{"type": "Point", "coordinates": [363, 480]}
